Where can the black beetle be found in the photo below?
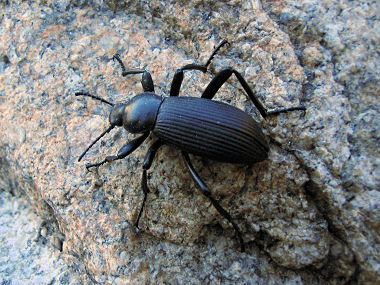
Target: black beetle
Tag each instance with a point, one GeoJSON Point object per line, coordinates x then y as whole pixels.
{"type": "Point", "coordinates": [199, 126]}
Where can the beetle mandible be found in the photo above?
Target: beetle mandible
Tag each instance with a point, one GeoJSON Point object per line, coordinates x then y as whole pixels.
{"type": "Point", "coordinates": [200, 126]}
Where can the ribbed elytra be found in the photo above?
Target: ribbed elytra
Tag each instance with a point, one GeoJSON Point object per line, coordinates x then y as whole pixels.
{"type": "Point", "coordinates": [210, 129]}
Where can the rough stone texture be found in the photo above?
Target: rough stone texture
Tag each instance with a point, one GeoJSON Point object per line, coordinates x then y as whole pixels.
{"type": "Point", "coordinates": [25, 257]}
{"type": "Point", "coordinates": [309, 213]}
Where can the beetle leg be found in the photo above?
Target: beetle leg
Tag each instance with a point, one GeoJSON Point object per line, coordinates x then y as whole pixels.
{"type": "Point", "coordinates": [146, 80]}
{"type": "Point", "coordinates": [223, 76]}
{"type": "Point", "coordinates": [126, 72]}
{"type": "Point", "coordinates": [275, 112]}
{"type": "Point", "coordinates": [178, 76]}
{"type": "Point", "coordinates": [222, 43]}
{"type": "Point", "coordinates": [127, 149]}
{"type": "Point", "coordinates": [205, 191]}
{"type": "Point", "coordinates": [146, 165]}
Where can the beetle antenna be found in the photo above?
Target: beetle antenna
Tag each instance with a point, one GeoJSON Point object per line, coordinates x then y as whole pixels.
{"type": "Point", "coordinates": [93, 96]}
{"type": "Point", "coordinates": [95, 141]}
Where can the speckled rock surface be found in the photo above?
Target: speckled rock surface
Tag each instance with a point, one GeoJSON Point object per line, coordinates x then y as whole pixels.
{"type": "Point", "coordinates": [309, 213]}
{"type": "Point", "coordinates": [28, 254]}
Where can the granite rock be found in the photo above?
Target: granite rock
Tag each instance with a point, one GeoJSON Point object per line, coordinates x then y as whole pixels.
{"type": "Point", "coordinates": [308, 213]}
{"type": "Point", "coordinates": [28, 251]}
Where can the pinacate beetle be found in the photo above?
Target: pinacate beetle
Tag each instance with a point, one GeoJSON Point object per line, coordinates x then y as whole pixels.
{"type": "Point", "coordinates": [199, 126]}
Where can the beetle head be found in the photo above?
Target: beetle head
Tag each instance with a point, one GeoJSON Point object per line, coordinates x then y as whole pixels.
{"type": "Point", "coordinates": [116, 115]}
{"type": "Point", "coordinates": [137, 116]}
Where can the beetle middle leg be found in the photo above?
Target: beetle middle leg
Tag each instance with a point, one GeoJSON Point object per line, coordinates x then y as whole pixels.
{"type": "Point", "coordinates": [205, 191]}
{"type": "Point", "coordinates": [127, 149]}
{"type": "Point", "coordinates": [217, 82]}
{"type": "Point", "coordinates": [178, 76]}
{"type": "Point", "coordinates": [146, 80]}
{"type": "Point", "coordinates": [144, 183]}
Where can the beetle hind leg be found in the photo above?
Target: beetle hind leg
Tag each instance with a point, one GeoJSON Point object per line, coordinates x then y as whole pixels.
{"type": "Point", "coordinates": [217, 82]}
{"type": "Point", "coordinates": [205, 191]}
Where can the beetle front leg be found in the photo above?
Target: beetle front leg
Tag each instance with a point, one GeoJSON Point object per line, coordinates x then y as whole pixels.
{"type": "Point", "coordinates": [144, 183]}
{"type": "Point", "coordinates": [205, 191]}
{"type": "Point", "coordinates": [123, 152]}
{"type": "Point", "coordinates": [146, 80]}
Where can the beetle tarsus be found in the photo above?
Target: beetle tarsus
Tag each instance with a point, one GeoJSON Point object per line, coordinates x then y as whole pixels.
{"type": "Point", "coordinates": [284, 110]}
{"type": "Point", "coordinates": [222, 43]}
{"type": "Point", "coordinates": [117, 57]}
{"type": "Point", "coordinates": [144, 186]}
{"type": "Point", "coordinates": [144, 183]}
{"type": "Point", "coordinates": [146, 79]}
{"type": "Point", "coordinates": [90, 165]}
{"type": "Point", "coordinates": [124, 71]}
